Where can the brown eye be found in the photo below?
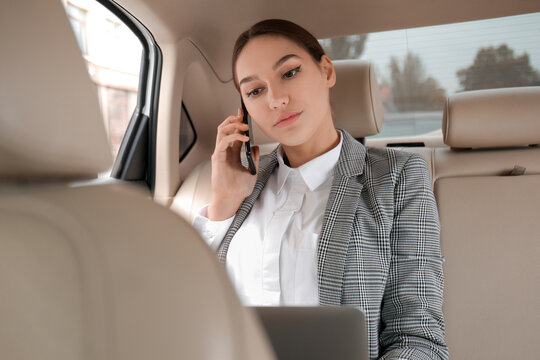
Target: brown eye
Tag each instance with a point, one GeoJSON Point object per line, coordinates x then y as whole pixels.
{"type": "Point", "coordinates": [289, 74]}
{"type": "Point", "coordinates": [254, 92]}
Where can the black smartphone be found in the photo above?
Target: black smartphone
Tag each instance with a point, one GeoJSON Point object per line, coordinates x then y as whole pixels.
{"type": "Point", "coordinates": [246, 119]}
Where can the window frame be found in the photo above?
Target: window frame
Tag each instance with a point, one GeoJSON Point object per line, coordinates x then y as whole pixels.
{"type": "Point", "coordinates": [136, 159]}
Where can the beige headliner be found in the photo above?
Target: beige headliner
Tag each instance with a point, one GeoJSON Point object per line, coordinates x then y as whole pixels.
{"type": "Point", "coordinates": [214, 24]}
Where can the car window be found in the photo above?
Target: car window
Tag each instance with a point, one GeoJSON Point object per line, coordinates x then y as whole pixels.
{"type": "Point", "coordinates": [113, 55]}
{"type": "Point", "coordinates": [418, 68]}
{"type": "Point", "coordinates": [188, 136]}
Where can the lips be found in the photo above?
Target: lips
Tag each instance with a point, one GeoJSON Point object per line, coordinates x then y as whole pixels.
{"type": "Point", "coordinates": [287, 118]}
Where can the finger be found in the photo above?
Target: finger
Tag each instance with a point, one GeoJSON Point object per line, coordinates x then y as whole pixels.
{"type": "Point", "coordinates": [237, 146]}
{"type": "Point", "coordinates": [225, 122]}
{"type": "Point", "coordinates": [227, 140]}
{"type": "Point", "coordinates": [230, 128]}
{"type": "Point", "coordinates": [225, 127]}
{"type": "Point", "coordinates": [240, 115]}
{"type": "Point", "coordinates": [233, 153]}
{"type": "Point", "coordinates": [237, 117]}
{"type": "Point", "coordinates": [228, 120]}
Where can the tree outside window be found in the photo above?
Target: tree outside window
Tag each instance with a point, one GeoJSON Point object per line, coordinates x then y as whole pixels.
{"type": "Point", "coordinates": [498, 68]}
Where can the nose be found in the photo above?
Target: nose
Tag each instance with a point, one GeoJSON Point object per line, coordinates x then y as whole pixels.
{"type": "Point", "coordinates": [277, 98]}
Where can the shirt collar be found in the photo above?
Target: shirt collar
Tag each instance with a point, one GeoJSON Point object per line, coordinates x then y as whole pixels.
{"type": "Point", "coordinates": [315, 172]}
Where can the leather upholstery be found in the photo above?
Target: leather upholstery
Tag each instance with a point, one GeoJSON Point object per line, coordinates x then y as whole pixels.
{"type": "Point", "coordinates": [489, 223]}
{"type": "Point", "coordinates": [484, 162]}
{"type": "Point", "coordinates": [93, 271]}
{"type": "Point", "coordinates": [195, 192]}
{"type": "Point", "coordinates": [102, 272]}
{"type": "Point", "coordinates": [490, 239]}
{"type": "Point", "coordinates": [54, 129]}
{"type": "Point", "coordinates": [493, 118]}
{"type": "Point", "coordinates": [356, 99]}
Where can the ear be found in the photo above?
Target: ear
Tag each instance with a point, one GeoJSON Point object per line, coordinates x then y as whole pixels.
{"type": "Point", "coordinates": [328, 70]}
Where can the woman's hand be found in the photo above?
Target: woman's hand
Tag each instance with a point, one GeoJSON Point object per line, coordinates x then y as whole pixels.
{"type": "Point", "coordinates": [231, 181]}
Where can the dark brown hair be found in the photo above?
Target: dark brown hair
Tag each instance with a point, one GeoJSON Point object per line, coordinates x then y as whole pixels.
{"type": "Point", "coordinates": [277, 27]}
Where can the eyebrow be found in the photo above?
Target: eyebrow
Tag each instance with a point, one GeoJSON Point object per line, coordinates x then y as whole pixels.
{"type": "Point", "coordinates": [276, 65]}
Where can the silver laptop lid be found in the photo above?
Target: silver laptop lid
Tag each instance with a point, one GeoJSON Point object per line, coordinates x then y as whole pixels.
{"type": "Point", "coordinates": [316, 333]}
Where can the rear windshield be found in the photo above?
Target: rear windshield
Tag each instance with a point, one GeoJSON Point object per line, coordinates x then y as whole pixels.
{"type": "Point", "coordinates": [418, 68]}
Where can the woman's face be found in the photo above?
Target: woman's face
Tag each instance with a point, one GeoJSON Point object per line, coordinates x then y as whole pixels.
{"type": "Point", "coordinates": [285, 91]}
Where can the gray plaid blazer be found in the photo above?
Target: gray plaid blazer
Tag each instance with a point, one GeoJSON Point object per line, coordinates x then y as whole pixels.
{"type": "Point", "coordinates": [378, 248]}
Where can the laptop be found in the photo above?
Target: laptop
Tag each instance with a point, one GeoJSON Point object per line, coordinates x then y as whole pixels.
{"type": "Point", "coordinates": [316, 333]}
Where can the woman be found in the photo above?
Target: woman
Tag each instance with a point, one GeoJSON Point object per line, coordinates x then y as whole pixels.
{"type": "Point", "coordinates": [326, 220]}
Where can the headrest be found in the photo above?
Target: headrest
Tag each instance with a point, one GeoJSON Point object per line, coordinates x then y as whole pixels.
{"type": "Point", "coordinates": [50, 122]}
{"type": "Point", "coordinates": [493, 118]}
{"type": "Point", "coordinates": [355, 99]}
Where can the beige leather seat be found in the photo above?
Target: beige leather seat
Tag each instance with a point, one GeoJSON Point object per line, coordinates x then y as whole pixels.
{"type": "Point", "coordinates": [490, 223]}
{"type": "Point", "coordinates": [91, 271]}
{"type": "Point", "coordinates": [357, 108]}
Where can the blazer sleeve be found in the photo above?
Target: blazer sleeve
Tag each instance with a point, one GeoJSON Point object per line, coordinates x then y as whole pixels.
{"type": "Point", "coordinates": [412, 324]}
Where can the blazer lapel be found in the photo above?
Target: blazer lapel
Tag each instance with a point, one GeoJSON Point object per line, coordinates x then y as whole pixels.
{"type": "Point", "coordinates": [266, 167]}
{"type": "Point", "coordinates": [338, 220]}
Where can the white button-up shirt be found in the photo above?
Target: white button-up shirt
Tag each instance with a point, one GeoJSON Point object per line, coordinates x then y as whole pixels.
{"type": "Point", "coordinates": [272, 258]}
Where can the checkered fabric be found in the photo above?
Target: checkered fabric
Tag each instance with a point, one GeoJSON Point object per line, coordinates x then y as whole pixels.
{"type": "Point", "coordinates": [378, 249]}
